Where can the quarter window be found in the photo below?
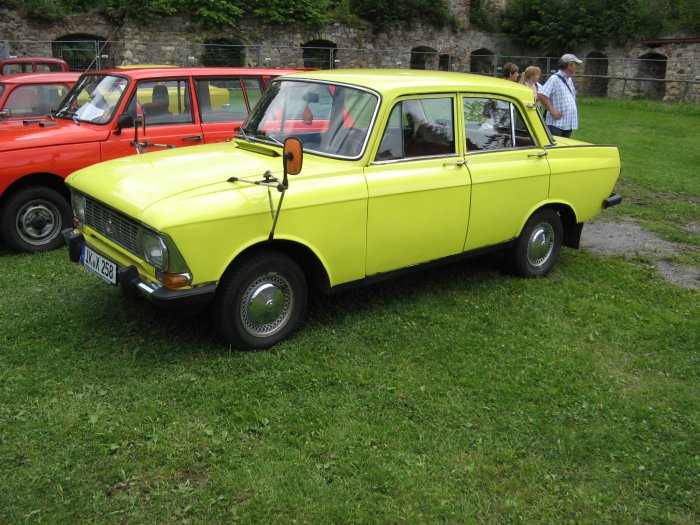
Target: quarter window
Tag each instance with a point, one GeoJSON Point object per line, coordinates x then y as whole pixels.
{"type": "Point", "coordinates": [419, 128]}
{"type": "Point", "coordinates": [224, 100]}
{"type": "Point", "coordinates": [493, 124]}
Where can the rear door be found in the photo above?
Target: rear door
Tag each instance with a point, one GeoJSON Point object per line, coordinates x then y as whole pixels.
{"type": "Point", "coordinates": [509, 170]}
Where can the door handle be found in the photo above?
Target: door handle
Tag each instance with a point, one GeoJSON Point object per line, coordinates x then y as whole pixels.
{"type": "Point", "coordinates": [462, 162]}
{"type": "Point", "coordinates": [538, 154]}
{"type": "Point", "coordinates": [193, 137]}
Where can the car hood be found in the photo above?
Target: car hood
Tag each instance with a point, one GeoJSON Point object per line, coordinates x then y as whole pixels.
{"type": "Point", "coordinates": [62, 132]}
{"type": "Point", "coordinates": [169, 185]}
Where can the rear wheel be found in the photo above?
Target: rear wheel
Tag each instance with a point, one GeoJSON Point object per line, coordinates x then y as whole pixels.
{"type": "Point", "coordinates": [32, 218]}
{"type": "Point", "coordinates": [261, 301]}
{"type": "Point", "coordinates": [537, 249]}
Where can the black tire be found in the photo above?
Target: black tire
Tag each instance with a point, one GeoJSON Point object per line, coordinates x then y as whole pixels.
{"type": "Point", "coordinates": [537, 249]}
{"type": "Point", "coordinates": [32, 218]}
{"type": "Point", "coordinates": [260, 301]}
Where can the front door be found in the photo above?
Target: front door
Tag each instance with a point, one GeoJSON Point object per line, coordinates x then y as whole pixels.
{"type": "Point", "coordinates": [418, 186]}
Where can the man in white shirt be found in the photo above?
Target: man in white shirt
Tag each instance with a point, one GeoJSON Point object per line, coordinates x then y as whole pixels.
{"type": "Point", "coordinates": [558, 96]}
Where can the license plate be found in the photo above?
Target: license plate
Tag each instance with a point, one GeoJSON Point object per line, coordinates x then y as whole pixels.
{"type": "Point", "coordinates": [103, 267]}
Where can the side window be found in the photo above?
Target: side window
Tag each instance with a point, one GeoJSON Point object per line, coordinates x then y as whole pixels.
{"type": "Point", "coordinates": [163, 102]}
{"type": "Point", "coordinates": [493, 124]}
{"type": "Point", "coordinates": [421, 127]}
{"type": "Point", "coordinates": [221, 100]}
{"type": "Point", "coordinates": [254, 90]}
{"type": "Point", "coordinates": [24, 102]}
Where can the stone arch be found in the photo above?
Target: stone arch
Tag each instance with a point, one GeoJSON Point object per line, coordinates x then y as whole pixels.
{"type": "Point", "coordinates": [83, 51]}
{"type": "Point", "coordinates": [446, 62]}
{"type": "Point", "coordinates": [424, 57]}
{"type": "Point", "coordinates": [483, 62]}
{"type": "Point", "coordinates": [652, 66]}
{"type": "Point", "coordinates": [596, 72]}
{"type": "Point", "coordinates": [223, 52]}
{"type": "Point", "coordinates": [322, 54]}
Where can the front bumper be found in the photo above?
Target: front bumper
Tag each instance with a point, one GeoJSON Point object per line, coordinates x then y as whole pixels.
{"type": "Point", "coordinates": [132, 285]}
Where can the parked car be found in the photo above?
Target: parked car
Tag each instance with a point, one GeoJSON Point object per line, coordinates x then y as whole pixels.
{"type": "Point", "coordinates": [32, 95]}
{"type": "Point", "coordinates": [95, 122]}
{"type": "Point", "coordinates": [10, 66]}
{"type": "Point", "coordinates": [335, 179]}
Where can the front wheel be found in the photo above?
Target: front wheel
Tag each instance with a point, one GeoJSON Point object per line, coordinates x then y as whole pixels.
{"type": "Point", "coordinates": [32, 218]}
{"type": "Point", "coordinates": [260, 301]}
{"type": "Point", "coordinates": [537, 249]}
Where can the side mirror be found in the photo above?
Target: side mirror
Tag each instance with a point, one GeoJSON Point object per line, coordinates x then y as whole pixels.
{"type": "Point", "coordinates": [124, 121]}
{"type": "Point", "coordinates": [293, 156]}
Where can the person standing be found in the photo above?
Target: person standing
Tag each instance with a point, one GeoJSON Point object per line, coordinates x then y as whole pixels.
{"type": "Point", "coordinates": [531, 78]}
{"type": "Point", "coordinates": [558, 96]}
{"type": "Point", "coordinates": [510, 71]}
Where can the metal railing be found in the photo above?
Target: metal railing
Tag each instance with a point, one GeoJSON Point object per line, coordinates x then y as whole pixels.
{"type": "Point", "coordinates": [672, 79]}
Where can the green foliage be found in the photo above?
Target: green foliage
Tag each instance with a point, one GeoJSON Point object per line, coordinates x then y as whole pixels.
{"type": "Point", "coordinates": [143, 10]}
{"type": "Point", "coordinates": [554, 26]}
{"type": "Point", "coordinates": [387, 13]}
{"type": "Point", "coordinates": [213, 13]}
{"type": "Point", "coordinates": [310, 12]}
{"type": "Point", "coordinates": [54, 10]}
{"type": "Point", "coordinates": [480, 17]}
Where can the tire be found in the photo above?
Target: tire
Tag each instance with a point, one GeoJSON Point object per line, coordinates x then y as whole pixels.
{"type": "Point", "coordinates": [260, 301]}
{"type": "Point", "coordinates": [537, 249]}
{"type": "Point", "coordinates": [32, 218]}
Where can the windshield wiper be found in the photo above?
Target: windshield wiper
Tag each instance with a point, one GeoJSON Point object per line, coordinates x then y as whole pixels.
{"type": "Point", "coordinates": [245, 136]}
{"type": "Point", "coordinates": [65, 113]}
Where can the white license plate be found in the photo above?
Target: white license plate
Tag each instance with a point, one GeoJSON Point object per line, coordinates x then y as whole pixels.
{"type": "Point", "coordinates": [103, 267]}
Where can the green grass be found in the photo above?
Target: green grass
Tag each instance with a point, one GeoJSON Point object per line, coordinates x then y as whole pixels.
{"type": "Point", "coordinates": [459, 395]}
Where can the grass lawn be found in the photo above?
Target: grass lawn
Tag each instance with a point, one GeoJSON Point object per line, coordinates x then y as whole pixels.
{"type": "Point", "coordinates": [459, 395]}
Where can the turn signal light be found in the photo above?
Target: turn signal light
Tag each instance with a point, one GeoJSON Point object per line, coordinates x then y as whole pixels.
{"type": "Point", "coordinates": [173, 281]}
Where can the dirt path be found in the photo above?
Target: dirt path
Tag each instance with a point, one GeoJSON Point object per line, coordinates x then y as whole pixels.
{"type": "Point", "coordinates": [625, 238]}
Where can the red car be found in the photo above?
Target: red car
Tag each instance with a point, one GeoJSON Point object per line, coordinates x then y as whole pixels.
{"type": "Point", "coordinates": [32, 95]}
{"type": "Point", "coordinates": [11, 66]}
{"type": "Point", "coordinates": [95, 122]}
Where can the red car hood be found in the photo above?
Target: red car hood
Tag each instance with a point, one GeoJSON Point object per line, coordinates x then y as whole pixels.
{"type": "Point", "coordinates": [13, 138]}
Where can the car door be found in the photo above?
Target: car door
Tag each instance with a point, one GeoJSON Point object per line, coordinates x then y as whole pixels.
{"type": "Point", "coordinates": [418, 186]}
{"type": "Point", "coordinates": [224, 103]}
{"type": "Point", "coordinates": [166, 106]}
{"type": "Point", "coordinates": [509, 170]}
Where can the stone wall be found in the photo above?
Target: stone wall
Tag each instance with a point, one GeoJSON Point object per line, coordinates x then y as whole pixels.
{"type": "Point", "coordinates": [172, 39]}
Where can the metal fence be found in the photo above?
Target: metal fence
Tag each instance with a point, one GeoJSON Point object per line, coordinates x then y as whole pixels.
{"type": "Point", "coordinates": [652, 77]}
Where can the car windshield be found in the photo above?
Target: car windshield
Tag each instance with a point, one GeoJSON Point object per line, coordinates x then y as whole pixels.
{"type": "Point", "coordinates": [93, 99]}
{"type": "Point", "coordinates": [330, 119]}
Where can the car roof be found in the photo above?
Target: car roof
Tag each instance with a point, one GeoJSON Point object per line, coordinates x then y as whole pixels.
{"type": "Point", "coordinates": [23, 60]}
{"type": "Point", "coordinates": [397, 81]}
{"type": "Point", "coordinates": [160, 72]}
{"type": "Point", "coordinates": [40, 78]}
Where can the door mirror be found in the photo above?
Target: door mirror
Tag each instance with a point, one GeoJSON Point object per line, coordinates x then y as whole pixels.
{"type": "Point", "coordinates": [125, 121]}
{"type": "Point", "coordinates": [293, 156]}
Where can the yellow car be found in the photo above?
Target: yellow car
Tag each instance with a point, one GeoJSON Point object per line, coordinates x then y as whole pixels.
{"type": "Point", "coordinates": [338, 178]}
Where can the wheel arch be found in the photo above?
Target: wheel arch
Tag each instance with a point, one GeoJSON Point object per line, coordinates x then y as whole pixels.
{"type": "Point", "coordinates": [572, 228]}
{"type": "Point", "coordinates": [49, 180]}
{"type": "Point", "coordinates": [310, 264]}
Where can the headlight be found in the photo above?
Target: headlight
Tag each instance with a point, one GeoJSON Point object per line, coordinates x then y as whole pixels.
{"type": "Point", "coordinates": [153, 249]}
{"type": "Point", "coordinates": [78, 204]}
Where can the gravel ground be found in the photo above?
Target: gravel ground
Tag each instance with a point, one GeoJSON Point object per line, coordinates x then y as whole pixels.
{"type": "Point", "coordinates": [625, 238]}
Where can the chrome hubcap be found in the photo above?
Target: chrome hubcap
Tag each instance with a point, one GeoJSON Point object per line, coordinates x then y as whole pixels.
{"type": "Point", "coordinates": [266, 305]}
{"type": "Point", "coordinates": [38, 222]}
{"type": "Point", "coordinates": [540, 245]}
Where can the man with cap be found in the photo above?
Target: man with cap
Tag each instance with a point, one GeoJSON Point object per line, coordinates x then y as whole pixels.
{"type": "Point", "coordinates": [558, 96]}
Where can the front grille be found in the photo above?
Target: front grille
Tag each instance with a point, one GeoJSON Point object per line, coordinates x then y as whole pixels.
{"type": "Point", "coordinates": [116, 226]}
